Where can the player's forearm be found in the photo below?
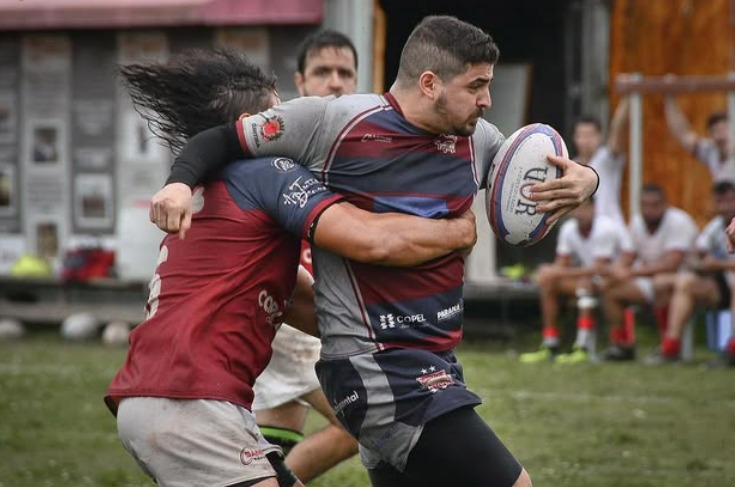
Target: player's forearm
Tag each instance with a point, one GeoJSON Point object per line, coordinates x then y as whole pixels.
{"type": "Point", "coordinates": [409, 241]}
{"type": "Point", "coordinates": [205, 154]}
{"type": "Point", "coordinates": [717, 265]}
{"type": "Point", "coordinates": [653, 269]}
{"type": "Point", "coordinates": [615, 137]}
{"type": "Point", "coordinates": [678, 124]}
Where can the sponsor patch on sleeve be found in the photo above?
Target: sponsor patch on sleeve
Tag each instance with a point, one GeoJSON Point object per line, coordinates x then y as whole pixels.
{"type": "Point", "coordinates": [271, 128]}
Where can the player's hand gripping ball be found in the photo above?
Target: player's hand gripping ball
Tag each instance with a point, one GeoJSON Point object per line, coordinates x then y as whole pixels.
{"type": "Point", "coordinates": [519, 164]}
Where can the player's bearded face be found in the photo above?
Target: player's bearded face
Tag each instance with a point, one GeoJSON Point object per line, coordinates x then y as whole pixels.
{"type": "Point", "coordinates": [455, 120]}
{"type": "Point", "coordinates": [653, 207]}
{"type": "Point", "coordinates": [463, 100]}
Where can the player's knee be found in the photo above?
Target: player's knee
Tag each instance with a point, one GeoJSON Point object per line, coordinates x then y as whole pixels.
{"type": "Point", "coordinates": [341, 440]}
{"type": "Point", "coordinates": [347, 443]}
{"type": "Point", "coordinates": [685, 282]}
{"type": "Point", "coordinates": [283, 437]}
{"type": "Point", "coordinates": [546, 276]}
{"type": "Point", "coordinates": [524, 480]}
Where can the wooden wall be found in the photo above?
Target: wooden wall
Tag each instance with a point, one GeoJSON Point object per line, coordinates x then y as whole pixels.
{"type": "Point", "coordinates": [684, 37]}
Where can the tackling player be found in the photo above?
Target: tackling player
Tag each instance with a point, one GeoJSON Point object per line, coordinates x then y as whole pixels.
{"type": "Point", "coordinates": [183, 396]}
{"type": "Point", "coordinates": [327, 65]}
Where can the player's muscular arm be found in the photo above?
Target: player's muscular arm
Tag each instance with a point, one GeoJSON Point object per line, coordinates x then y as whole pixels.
{"type": "Point", "coordinates": [670, 262]}
{"type": "Point", "coordinates": [206, 154]}
{"type": "Point", "coordinates": [580, 272]}
{"type": "Point", "coordinates": [679, 125]}
{"type": "Point", "coordinates": [301, 313]}
{"type": "Point", "coordinates": [617, 124]}
{"type": "Point", "coordinates": [391, 238]}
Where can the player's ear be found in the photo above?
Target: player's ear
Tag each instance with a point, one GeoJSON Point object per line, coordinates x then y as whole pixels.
{"type": "Point", "coordinates": [430, 84]}
{"type": "Point", "coordinates": [298, 80]}
{"type": "Point", "coordinates": [243, 115]}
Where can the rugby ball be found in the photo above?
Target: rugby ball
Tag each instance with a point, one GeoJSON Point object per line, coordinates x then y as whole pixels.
{"type": "Point", "coordinates": [11, 329]}
{"type": "Point", "coordinates": [116, 333]}
{"type": "Point", "coordinates": [80, 327]}
{"type": "Point", "coordinates": [519, 164]}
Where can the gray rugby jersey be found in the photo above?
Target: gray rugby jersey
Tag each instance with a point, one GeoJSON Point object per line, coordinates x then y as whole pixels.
{"type": "Point", "coordinates": [363, 147]}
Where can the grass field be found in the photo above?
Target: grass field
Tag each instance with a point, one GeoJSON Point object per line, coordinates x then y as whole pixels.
{"type": "Point", "coordinates": [594, 425]}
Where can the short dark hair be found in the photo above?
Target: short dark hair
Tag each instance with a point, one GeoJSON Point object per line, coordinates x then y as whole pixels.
{"type": "Point", "coordinates": [316, 41]}
{"type": "Point", "coordinates": [196, 90]}
{"type": "Point", "coordinates": [721, 188]}
{"type": "Point", "coordinates": [716, 118]}
{"type": "Point", "coordinates": [446, 46]}
{"type": "Point", "coordinates": [589, 119]}
{"type": "Point", "coordinates": [654, 188]}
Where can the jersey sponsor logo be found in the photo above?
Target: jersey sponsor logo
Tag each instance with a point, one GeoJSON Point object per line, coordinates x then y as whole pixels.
{"type": "Point", "coordinates": [434, 380]}
{"type": "Point", "coordinates": [248, 456]}
{"type": "Point", "coordinates": [376, 138]}
{"type": "Point", "coordinates": [272, 128]}
{"type": "Point", "coordinates": [254, 130]}
{"type": "Point", "coordinates": [390, 321]}
{"type": "Point", "coordinates": [352, 398]}
{"type": "Point", "coordinates": [284, 164]}
{"type": "Point", "coordinates": [300, 191]}
{"type": "Point", "coordinates": [451, 312]}
{"type": "Point", "coordinates": [446, 144]}
{"type": "Point", "coordinates": [270, 306]}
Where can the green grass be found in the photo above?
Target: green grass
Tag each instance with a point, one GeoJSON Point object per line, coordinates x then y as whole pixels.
{"type": "Point", "coordinates": [593, 426]}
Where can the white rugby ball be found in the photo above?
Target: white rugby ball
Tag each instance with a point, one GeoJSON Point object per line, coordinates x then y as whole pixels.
{"type": "Point", "coordinates": [79, 327]}
{"type": "Point", "coordinates": [116, 333]}
{"type": "Point", "coordinates": [11, 329]}
{"type": "Point", "coordinates": [519, 164]}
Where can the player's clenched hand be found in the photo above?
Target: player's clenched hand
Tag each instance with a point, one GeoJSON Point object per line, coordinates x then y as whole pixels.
{"type": "Point", "coordinates": [562, 195]}
{"type": "Point", "coordinates": [171, 208]}
{"type": "Point", "coordinates": [730, 232]}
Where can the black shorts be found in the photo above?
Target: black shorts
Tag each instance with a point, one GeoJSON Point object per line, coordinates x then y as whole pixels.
{"type": "Point", "coordinates": [456, 449]}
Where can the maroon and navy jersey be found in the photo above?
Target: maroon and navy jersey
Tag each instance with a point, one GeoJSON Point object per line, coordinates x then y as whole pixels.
{"type": "Point", "coordinates": [218, 296]}
{"type": "Point", "coordinates": [362, 147]}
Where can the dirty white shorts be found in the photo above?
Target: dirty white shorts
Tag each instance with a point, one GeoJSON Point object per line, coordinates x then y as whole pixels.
{"type": "Point", "coordinates": [188, 443]}
{"type": "Point", "coordinates": [290, 373]}
{"type": "Point", "coordinates": [645, 285]}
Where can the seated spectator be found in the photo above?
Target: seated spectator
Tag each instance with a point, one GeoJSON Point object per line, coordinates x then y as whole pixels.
{"type": "Point", "coordinates": [707, 283]}
{"type": "Point", "coordinates": [662, 238]}
{"type": "Point", "coordinates": [586, 247]}
{"type": "Point", "coordinates": [712, 150]}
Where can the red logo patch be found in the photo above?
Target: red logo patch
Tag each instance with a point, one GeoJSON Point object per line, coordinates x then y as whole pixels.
{"type": "Point", "coordinates": [435, 381]}
{"type": "Point", "coordinates": [248, 456]}
{"type": "Point", "coordinates": [271, 128]}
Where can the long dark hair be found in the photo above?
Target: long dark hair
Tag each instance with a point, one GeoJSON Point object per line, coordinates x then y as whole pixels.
{"type": "Point", "coordinates": [196, 90]}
